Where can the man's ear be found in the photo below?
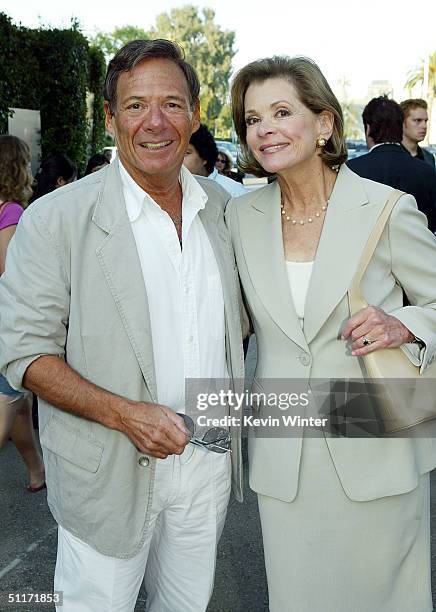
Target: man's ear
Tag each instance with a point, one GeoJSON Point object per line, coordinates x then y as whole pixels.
{"type": "Point", "coordinates": [196, 117]}
{"type": "Point", "coordinates": [326, 123]}
{"type": "Point", "coordinates": [108, 117]}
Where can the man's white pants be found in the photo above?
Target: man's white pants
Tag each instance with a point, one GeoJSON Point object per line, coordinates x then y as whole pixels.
{"type": "Point", "coordinates": [177, 561]}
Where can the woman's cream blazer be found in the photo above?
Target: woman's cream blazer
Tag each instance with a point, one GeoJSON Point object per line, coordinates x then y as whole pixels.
{"type": "Point", "coordinates": [368, 468]}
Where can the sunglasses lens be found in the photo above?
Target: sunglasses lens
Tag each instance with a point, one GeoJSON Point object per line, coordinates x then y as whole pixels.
{"type": "Point", "coordinates": [218, 437]}
{"type": "Point", "coordinates": [189, 423]}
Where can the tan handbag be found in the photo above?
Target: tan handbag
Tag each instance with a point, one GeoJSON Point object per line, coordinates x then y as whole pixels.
{"type": "Point", "coordinates": [404, 397]}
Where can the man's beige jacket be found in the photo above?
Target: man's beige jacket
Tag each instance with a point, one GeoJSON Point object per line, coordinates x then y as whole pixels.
{"type": "Point", "coordinates": [73, 287]}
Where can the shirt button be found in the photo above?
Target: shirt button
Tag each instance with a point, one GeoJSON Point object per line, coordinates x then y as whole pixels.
{"type": "Point", "coordinates": [190, 339]}
{"type": "Point", "coordinates": [186, 290]}
{"type": "Point", "coordinates": [144, 461]}
{"type": "Point", "coordinates": [304, 359]}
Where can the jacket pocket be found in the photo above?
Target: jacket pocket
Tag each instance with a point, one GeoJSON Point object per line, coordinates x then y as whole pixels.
{"type": "Point", "coordinates": [72, 444]}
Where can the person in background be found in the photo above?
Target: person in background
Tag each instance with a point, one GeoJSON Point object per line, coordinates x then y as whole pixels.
{"type": "Point", "coordinates": [345, 520]}
{"type": "Point", "coordinates": [96, 162]}
{"type": "Point", "coordinates": [15, 406]}
{"type": "Point", "coordinates": [223, 163]}
{"type": "Point", "coordinates": [415, 125]}
{"type": "Point", "coordinates": [388, 162]}
{"type": "Point", "coordinates": [200, 159]}
{"type": "Point", "coordinates": [56, 170]}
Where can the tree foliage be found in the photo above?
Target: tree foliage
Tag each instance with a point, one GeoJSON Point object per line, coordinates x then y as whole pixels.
{"type": "Point", "coordinates": [111, 42]}
{"type": "Point", "coordinates": [207, 47]}
{"type": "Point", "coordinates": [49, 70]}
{"type": "Point", "coordinates": [417, 76]}
{"type": "Point", "coordinates": [97, 71]}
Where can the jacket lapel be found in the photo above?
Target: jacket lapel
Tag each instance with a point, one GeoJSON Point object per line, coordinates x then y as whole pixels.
{"type": "Point", "coordinates": [213, 223]}
{"type": "Point", "coordinates": [348, 223]}
{"type": "Point", "coordinates": [262, 243]}
{"type": "Point", "coordinates": [119, 261]}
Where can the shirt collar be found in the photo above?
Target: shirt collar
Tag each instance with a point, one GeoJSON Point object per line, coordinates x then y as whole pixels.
{"type": "Point", "coordinates": [194, 196]}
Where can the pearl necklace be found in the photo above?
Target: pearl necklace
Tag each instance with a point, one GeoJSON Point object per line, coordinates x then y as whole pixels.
{"type": "Point", "coordinates": [303, 221]}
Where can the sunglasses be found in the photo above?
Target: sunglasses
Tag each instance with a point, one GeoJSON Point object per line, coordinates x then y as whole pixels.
{"type": "Point", "coordinates": [216, 439]}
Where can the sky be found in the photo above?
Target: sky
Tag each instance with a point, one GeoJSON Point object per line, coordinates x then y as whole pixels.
{"type": "Point", "coordinates": [357, 40]}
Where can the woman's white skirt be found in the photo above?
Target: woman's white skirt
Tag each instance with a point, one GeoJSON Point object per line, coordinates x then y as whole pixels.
{"type": "Point", "coordinates": [326, 553]}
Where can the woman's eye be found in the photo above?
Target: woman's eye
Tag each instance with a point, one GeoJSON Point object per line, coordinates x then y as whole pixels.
{"type": "Point", "coordinates": [283, 112]}
{"type": "Point", "coordinates": [251, 120]}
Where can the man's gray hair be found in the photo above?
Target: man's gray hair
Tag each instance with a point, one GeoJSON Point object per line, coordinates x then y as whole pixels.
{"type": "Point", "coordinates": [137, 51]}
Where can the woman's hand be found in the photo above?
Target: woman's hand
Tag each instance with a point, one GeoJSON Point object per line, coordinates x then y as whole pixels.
{"type": "Point", "coordinates": [371, 329]}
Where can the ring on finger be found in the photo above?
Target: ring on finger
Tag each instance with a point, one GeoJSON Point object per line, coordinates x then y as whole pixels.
{"type": "Point", "coordinates": [366, 341]}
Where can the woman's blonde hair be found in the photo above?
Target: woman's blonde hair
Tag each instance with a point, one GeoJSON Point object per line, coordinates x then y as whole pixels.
{"type": "Point", "coordinates": [15, 178]}
{"type": "Point", "coordinates": [312, 89]}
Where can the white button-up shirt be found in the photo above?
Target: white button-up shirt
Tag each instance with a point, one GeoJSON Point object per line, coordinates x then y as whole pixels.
{"type": "Point", "coordinates": [183, 288]}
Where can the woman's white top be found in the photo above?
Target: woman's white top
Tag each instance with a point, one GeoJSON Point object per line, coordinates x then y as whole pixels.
{"type": "Point", "coordinates": [299, 273]}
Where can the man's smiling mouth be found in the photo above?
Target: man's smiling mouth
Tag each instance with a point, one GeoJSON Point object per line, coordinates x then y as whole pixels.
{"type": "Point", "coordinates": [155, 145]}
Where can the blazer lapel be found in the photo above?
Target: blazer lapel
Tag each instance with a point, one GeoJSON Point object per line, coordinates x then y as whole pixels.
{"type": "Point", "coordinates": [121, 267]}
{"type": "Point", "coordinates": [221, 245]}
{"type": "Point", "coordinates": [348, 223]}
{"type": "Point", "coordinates": [262, 243]}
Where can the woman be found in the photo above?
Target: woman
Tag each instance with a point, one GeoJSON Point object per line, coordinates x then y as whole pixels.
{"type": "Point", "coordinates": [345, 521]}
{"type": "Point", "coordinates": [223, 163]}
{"type": "Point", "coordinates": [15, 407]}
{"type": "Point", "coordinates": [56, 170]}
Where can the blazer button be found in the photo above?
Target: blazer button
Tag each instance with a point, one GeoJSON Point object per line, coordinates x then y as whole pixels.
{"type": "Point", "coordinates": [144, 461]}
{"type": "Point", "coordinates": [304, 359]}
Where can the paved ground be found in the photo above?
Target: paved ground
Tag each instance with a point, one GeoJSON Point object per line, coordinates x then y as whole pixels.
{"type": "Point", "coordinates": [28, 545]}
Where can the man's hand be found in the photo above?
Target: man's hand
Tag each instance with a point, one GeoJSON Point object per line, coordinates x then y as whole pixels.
{"type": "Point", "coordinates": [371, 329]}
{"type": "Point", "coordinates": [154, 429]}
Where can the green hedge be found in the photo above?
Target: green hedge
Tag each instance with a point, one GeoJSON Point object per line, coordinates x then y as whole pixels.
{"type": "Point", "coordinates": [97, 71]}
{"type": "Point", "coordinates": [52, 70]}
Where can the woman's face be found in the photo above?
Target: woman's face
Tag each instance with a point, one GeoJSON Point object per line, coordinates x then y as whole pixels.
{"type": "Point", "coordinates": [221, 162]}
{"type": "Point", "coordinates": [281, 130]}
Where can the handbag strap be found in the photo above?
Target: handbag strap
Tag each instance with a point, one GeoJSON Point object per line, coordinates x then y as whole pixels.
{"type": "Point", "coordinates": [355, 297]}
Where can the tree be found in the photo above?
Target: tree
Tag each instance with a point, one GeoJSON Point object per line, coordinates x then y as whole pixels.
{"type": "Point", "coordinates": [207, 47]}
{"type": "Point", "coordinates": [110, 42]}
{"type": "Point", "coordinates": [425, 74]}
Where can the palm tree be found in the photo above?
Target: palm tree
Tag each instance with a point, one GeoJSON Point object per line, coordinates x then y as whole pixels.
{"type": "Point", "coordinates": [426, 75]}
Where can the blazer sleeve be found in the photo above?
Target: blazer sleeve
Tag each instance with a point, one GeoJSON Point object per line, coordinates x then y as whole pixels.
{"type": "Point", "coordinates": [413, 255]}
{"type": "Point", "coordinates": [34, 298]}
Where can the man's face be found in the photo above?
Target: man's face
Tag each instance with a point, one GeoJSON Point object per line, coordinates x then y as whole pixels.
{"type": "Point", "coordinates": [415, 125]}
{"type": "Point", "coordinates": [153, 120]}
{"type": "Point", "coordinates": [194, 162]}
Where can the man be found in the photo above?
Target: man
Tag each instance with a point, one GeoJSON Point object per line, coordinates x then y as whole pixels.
{"type": "Point", "coordinates": [117, 289]}
{"type": "Point", "coordinates": [200, 159]}
{"type": "Point", "coordinates": [415, 129]}
{"type": "Point", "coordinates": [387, 162]}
